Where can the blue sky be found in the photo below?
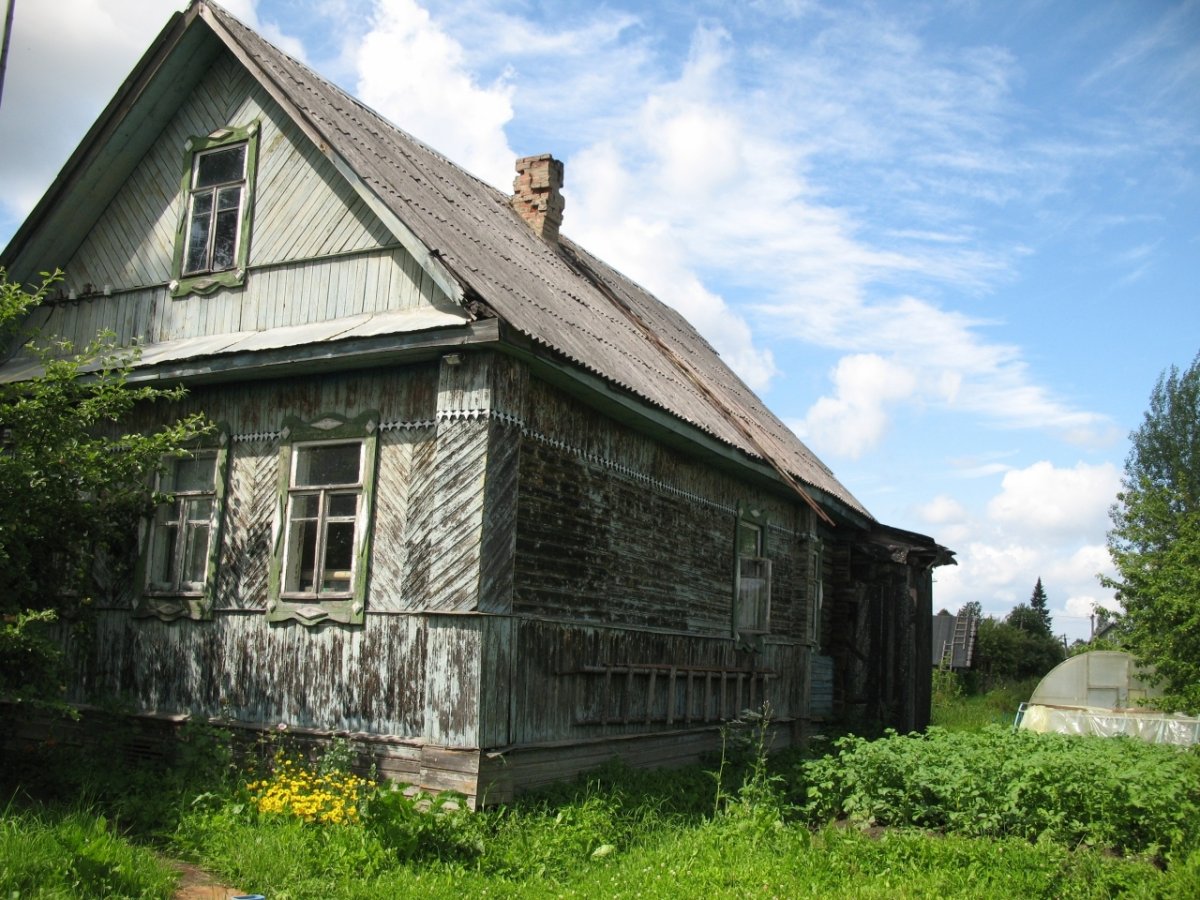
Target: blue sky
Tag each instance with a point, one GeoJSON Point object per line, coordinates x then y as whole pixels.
{"type": "Point", "coordinates": [952, 244]}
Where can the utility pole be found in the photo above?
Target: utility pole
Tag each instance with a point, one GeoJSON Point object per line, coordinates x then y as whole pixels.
{"type": "Point", "coordinates": [8, 20]}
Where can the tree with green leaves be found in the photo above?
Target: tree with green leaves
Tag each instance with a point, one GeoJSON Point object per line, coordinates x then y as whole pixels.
{"type": "Point", "coordinates": [1155, 538]}
{"type": "Point", "coordinates": [1038, 603]}
{"type": "Point", "coordinates": [73, 484]}
{"type": "Point", "coordinates": [971, 608]}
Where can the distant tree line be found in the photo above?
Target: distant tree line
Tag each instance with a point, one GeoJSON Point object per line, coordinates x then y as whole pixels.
{"type": "Point", "coordinates": [1019, 646]}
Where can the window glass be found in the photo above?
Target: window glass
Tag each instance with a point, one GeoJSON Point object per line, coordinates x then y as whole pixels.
{"type": "Point", "coordinates": [322, 520]}
{"type": "Point", "coordinates": [328, 464]}
{"type": "Point", "coordinates": [182, 530]}
{"type": "Point", "coordinates": [749, 539]}
{"type": "Point", "coordinates": [220, 166]}
{"type": "Point", "coordinates": [215, 210]}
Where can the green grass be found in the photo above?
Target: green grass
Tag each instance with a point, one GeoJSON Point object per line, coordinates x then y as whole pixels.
{"type": "Point", "coordinates": [1055, 817]}
{"type": "Point", "coordinates": [74, 854]}
{"type": "Point", "coordinates": [956, 709]}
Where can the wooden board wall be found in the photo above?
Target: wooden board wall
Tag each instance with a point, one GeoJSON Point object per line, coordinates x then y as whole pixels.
{"type": "Point", "coordinates": [316, 252]}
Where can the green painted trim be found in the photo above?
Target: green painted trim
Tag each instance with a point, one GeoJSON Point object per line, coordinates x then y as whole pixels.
{"type": "Point", "coordinates": [205, 283]}
{"type": "Point", "coordinates": [328, 427]}
{"type": "Point", "coordinates": [188, 605]}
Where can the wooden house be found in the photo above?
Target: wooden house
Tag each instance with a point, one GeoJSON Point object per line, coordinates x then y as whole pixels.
{"type": "Point", "coordinates": [478, 501]}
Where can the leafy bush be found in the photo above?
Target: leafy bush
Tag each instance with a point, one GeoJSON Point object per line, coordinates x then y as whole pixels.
{"type": "Point", "coordinates": [1120, 794]}
{"type": "Point", "coordinates": [417, 825]}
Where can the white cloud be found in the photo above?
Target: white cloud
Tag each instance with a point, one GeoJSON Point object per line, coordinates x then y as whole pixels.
{"type": "Point", "coordinates": [66, 60]}
{"type": "Point", "coordinates": [644, 200]}
{"type": "Point", "coordinates": [855, 418]}
{"type": "Point", "coordinates": [1046, 500]}
{"type": "Point", "coordinates": [1044, 522]}
{"type": "Point", "coordinates": [942, 510]}
{"type": "Point", "coordinates": [414, 73]}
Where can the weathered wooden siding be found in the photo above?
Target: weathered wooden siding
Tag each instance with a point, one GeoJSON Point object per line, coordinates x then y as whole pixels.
{"type": "Point", "coordinates": [316, 252]}
{"type": "Point", "coordinates": [355, 679]}
{"type": "Point", "coordinates": [614, 528]}
{"type": "Point", "coordinates": [583, 683]}
{"type": "Point", "coordinates": [253, 413]}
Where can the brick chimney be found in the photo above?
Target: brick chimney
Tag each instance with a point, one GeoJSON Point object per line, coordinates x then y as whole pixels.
{"type": "Point", "coordinates": [536, 194]}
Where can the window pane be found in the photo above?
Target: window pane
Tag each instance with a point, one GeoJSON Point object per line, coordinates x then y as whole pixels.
{"type": "Point", "coordinates": [753, 594]}
{"type": "Point", "coordinates": [220, 166]}
{"type": "Point", "coordinates": [339, 556]}
{"type": "Point", "coordinates": [162, 562]}
{"type": "Point", "coordinates": [749, 540]}
{"type": "Point", "coordinates": [197, 246]}
{"type": "Point", "coordinates": [229, 198]}
{"type": "Point", "coordinates": [305, 506]}
{"type": "Point", "coordinates": [343, 505]}
{"type": "Point", "coordinates": [225, 240]}
{"type": "Point", "coordinates": [193, 473]}
{"type": "Point", "coordinates": [328, 464]}
{"type": "Point", "coordinates": [195, 563]}
{"type": "Point", "coordinates": [199, 510]}
{"type": "Point", "coordinates": [301, 556]}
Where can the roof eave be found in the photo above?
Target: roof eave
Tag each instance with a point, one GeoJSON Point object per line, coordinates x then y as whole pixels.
{"type": "Point", "coordinates": [632, 409]}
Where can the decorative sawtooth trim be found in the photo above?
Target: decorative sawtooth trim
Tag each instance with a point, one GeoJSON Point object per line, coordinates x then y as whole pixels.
{"type": "Point", "coordinates": [401, 425]}
{"type": "Point", "coordinates": [444, 415]}
{"type": "Point", "coordinates": [628, 471]}
{"type": "Point", "coordinates": [509, 419]}
{"type": "Point", "coordinates": [253, 436]}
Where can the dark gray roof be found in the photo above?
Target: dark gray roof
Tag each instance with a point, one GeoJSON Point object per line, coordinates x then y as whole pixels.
{"type": "Point", "coordinates": [463, 231]}
{"type": "Point", "coordinates": [561, 297]}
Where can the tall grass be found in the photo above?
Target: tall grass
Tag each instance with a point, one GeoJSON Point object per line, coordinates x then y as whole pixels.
{"type": "Point", "coordinates": [736, 827]}
{"type": "Point", "coordinates": [74, 854]}
{"type": "Point", "coordinates": [957, 706]}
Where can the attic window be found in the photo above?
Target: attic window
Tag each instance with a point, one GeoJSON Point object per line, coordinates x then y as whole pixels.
{"type": "Point", "coordinates": [212, 246]}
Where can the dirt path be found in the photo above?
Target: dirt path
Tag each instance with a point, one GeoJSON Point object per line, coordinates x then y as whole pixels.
{"type": "Point", "coordinates": [196, 884]}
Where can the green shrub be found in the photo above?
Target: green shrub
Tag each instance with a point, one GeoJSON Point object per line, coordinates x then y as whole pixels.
{"type": "Point", "coordinates": [1120, 794]}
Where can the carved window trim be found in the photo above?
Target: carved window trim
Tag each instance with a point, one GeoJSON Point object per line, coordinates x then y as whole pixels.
{"type": "Point", "coordinates": [208, 279]}
{"type": "Point", "coordinates": [319, 605]}
{"type": "Point", "coordinates": [184, 600]}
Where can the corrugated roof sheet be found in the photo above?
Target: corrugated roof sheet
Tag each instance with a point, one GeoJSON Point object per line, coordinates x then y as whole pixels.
{"type": "Point", "coordinates": [558, 296]}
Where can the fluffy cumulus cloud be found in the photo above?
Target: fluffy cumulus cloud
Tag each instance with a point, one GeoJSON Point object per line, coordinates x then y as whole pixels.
{"type": "Point", "coordinates": [1050, 501]}
{"type": "Point", "coordinates": [1044, 522]}
{"type": "Point", "coordinates": [855, 417]}
{"type": "Point", "coordinates": [414, 73]}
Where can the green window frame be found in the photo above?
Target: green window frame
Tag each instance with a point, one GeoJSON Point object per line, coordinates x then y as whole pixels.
{"type": "Point", "coordinates": [324, 521]}
{"type": "Point", "coordinates": [752, 578]}
{"type": "Point", "coordinates": [212, 241]}
{"type": "Point", "coordinates": [181, 542]}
